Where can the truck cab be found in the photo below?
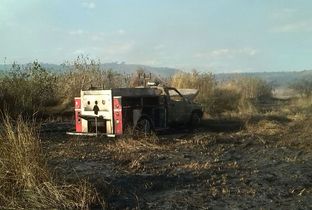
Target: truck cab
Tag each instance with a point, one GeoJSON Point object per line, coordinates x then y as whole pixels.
{"type": "Point", "coordinates": [181, 110]}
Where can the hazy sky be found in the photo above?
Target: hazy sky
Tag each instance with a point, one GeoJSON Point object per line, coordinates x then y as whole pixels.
{"type": "Point", "coordinates": [218, 36]}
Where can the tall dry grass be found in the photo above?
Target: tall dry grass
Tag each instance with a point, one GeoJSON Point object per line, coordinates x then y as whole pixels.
{"type": "Point", "coordinates": [204, 82]}
{"type": "Point", "coordinates": [302, 104]}
{"type": "Point", "coordinates": [300, 108]}
{"type": "Point", "coordinates": [251, 87]}
{"type": "Point", "coordinates": [25, 181]}
{"type": "Point", "coordinates": [236, 96]}
{"type": "Point", "coordinates": [33, 89]}
{"type": "Point", "coordinates": [303, 86]}
{"type": "Point", "coordinates": [246, 93]}
{"type": "Point", "coordinates": [84, 73]}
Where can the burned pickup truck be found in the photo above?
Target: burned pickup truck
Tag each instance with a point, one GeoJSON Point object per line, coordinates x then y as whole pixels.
{"type": "Point", "coordinates": [118, 111]}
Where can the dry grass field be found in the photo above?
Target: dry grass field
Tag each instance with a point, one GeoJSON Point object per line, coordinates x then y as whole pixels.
{"type": "Point", "coordinates": [251, 151]}
{"type": "Point", "coordinates": [262, 163]}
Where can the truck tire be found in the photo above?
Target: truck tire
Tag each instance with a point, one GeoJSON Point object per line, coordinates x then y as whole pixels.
{"type": "Point", "coordinates": [195, 119]}
{"type": "Point", "coordinates": [143, 127]}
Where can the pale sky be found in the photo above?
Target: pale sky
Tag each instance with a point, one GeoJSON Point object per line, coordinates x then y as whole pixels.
{"type": "Point", "coordinates": [217, 36]}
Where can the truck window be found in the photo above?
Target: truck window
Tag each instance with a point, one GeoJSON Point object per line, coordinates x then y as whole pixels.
{"type": "Point", "coordinates": [174, 95]}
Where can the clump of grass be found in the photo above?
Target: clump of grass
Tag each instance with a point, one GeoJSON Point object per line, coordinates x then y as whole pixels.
{"type": "Point", "coordinates": [265, 127]}
{"type": "Point", "coordinates": [130, 145]}
{"type": "Point", "coordinates": [134, 153]}
{"type": "Point", "coordinates": [25, 181]}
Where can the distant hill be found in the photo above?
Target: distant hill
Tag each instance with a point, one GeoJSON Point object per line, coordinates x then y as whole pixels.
{"type": "Point", "coordinates": [276, 78]}
{"type": "Point", "coordinates": [122, 68]}
{"type": "Point", "coordinates": [131, 68]}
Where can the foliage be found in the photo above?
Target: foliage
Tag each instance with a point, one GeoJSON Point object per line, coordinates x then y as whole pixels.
{"type": "Point", "coordinates": [27, 89]}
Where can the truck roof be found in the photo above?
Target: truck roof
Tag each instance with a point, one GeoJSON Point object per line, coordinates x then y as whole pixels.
{"type": "Point", "coordinates": [136, 92]}
{"type": "Point", "coordinates": [145, 91]}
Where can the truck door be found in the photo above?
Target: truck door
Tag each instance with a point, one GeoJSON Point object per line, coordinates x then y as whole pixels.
{"type": "Point", "coordinates": [177, 107]}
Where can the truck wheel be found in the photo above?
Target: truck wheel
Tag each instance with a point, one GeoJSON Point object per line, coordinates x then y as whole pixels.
{"type": "Point", "coordinates": [143, 127]}
{"type": "Point", "coordinates": [195, 119]}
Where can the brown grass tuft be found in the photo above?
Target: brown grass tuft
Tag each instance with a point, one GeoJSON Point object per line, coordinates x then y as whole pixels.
{"type": "Point", "coordinates": [129, 145]}
{"type": "Point", "coordinates": [25, 181]}
{"type": "Point", "coordinates": [265, 127]}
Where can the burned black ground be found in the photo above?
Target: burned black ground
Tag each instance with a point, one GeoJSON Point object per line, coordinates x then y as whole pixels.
{"type": "Point", "coordinates": [221, 165]}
